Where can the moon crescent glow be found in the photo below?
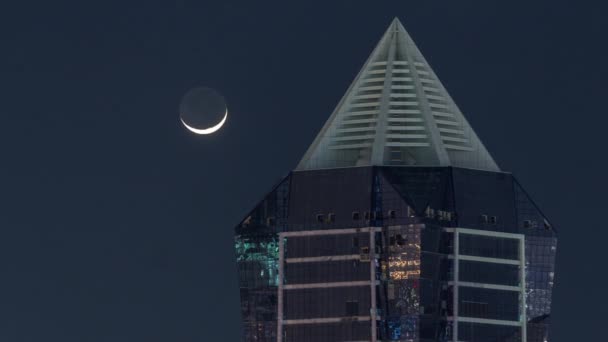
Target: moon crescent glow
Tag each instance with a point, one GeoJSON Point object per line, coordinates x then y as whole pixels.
{"type": "Point", "coordinates": [206, 130]}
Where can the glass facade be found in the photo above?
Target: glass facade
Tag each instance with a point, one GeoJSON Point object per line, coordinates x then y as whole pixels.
{"type": "Point", "coordinates": [414, 254]}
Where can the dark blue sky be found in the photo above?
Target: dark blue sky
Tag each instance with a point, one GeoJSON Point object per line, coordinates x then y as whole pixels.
{"type": "Point", "coordinates": [116, 223]}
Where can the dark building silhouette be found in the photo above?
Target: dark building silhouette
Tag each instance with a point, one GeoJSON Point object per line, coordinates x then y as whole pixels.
{"type": "Point", "coordinates": [397, 225]}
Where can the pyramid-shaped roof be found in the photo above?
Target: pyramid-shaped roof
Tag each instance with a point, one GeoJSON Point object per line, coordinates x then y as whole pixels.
{"type": "Point", "coordinates": [396, 112]}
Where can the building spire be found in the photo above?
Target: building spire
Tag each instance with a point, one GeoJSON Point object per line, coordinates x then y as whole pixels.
{"type": "Point", "coordinates": [397, 113]}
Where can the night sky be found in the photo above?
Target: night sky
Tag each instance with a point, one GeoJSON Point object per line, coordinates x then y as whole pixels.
{"type": "Point", "coordinates": [116, 223]}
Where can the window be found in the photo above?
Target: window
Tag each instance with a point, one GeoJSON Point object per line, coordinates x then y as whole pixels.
{"type": "Point", "coordinates": [445, 215]}
{"type": "Point", "coordinates": [411, 212]}
{"type": "Point", "coordinates": [474, 307]}
{"type": "Point", "coordinates": [493, 219]}
{"type": "Point", "coordinates": [489, 273]}
{"type": "Point", "coordinates": [364, 254]}
{"type": "Point", "coordinates": [331, 218]}
{"type": "Point", "coordinates": [356, 215]}
{"type": "Point", "coordinates": [487, 332]}
{"type": "Point", "coordinates": [483, 218]}
{"type": "Point", "coordinates": [392, 214]}
{"type": "Point", "coordinates": [270, 221]}
{"type": "Point", "coordinates": [400, 240]}
{"type": "Point", "coordinates": [489, 303]}
{"type": "Point", "coordinates": [320, 218]}
{"type": "Point", "coordinates": [352, 308]}
{"type": "Point", "coordinates": [489, 246]}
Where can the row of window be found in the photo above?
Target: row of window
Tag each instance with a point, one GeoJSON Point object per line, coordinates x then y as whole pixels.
{"type": "Point", "coordinates": [440, 215]}
{"type": "Point", "coordinates": [488, 219]}
{"type": "Point", "coordinates": [391, 214]}
{"type": "Point", "coordinates": [534, 224]}
{"type": "Point", "coordinates": [356, 216]}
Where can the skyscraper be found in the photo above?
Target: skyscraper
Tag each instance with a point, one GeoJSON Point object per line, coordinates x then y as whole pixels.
{"type": "Point", "coordinates": [397, 225]}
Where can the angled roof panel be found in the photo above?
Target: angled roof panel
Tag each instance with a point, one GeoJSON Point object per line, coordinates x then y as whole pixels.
{"type": "Point", "coordinates": [397, 112]}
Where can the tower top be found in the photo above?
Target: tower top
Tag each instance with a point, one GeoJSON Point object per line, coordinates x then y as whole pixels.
{"type": "Point", "coordinates": [396, 112]}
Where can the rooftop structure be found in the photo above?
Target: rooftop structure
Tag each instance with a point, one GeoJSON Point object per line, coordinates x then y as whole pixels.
{"type": "Point", "coordinates": [396, 112]}
{"type": "Point", "coordinates": [397, 225]}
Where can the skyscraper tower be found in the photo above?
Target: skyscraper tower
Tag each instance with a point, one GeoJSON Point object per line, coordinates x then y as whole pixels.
{"type": "Point", "coordinates": [397, 225]}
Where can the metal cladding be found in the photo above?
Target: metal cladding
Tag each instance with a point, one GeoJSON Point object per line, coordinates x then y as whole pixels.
{"type": "Point", "coordinates": [450, 251]}
{"type": "Point", "coordinates": [396, 112]}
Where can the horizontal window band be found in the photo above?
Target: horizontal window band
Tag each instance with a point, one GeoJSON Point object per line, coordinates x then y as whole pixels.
{"type": "Point", "coordinates": [326, 320]}
{"type": "Point", "coordinates": [323, 258]}
{"type": "Point", "coordinates": [327, 285]}
{"type": "Point", "coordinates": [485, 233]}
{"type": "Point", "coordinates": [485, 286]}
{"type": "Point", "coordinates": [484, 321]}
{"type": "Point", "coordinates": [485, 259]}
{"type": "Point", "coordinates": [330, 232]}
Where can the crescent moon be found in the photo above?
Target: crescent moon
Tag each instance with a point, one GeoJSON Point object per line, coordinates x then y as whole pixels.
{"type": "Point", "coordinates": [206, 130]}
